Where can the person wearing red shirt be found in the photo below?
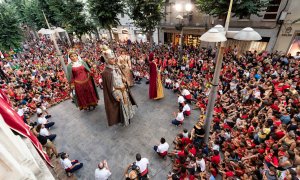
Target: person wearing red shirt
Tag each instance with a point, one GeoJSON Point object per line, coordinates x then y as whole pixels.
{"type": "Point", "coordinates": [186, 141]}
{"type": "Point", "coordinates": [192, 149]}
{"type": "Point", "coordinates": [216, 159]}
{"type": "Point", "coordinates": [275, 106]}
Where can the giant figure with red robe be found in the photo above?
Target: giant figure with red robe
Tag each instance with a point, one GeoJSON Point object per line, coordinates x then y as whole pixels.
{"type": "Point", "coordinates": [79, 76]}
{"type": "Point", "coordinates": [155, 84]}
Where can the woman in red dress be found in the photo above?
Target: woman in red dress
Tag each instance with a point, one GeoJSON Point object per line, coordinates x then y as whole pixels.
{"type": "Point", "coordinates": [86, 95]}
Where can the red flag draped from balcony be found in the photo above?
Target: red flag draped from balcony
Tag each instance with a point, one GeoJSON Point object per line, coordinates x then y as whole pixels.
{"type": "Point", "coordinates": [16, 123]}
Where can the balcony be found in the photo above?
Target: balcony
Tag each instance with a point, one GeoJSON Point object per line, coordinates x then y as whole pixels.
{"type": "Point", "coordinates": [195, 22]}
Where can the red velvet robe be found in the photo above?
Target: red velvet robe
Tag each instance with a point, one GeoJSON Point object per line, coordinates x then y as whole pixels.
{"type": "Point", "coordinates": [152, 81]}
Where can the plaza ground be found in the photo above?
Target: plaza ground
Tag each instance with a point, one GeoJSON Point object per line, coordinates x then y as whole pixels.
{"type": "Point", "coordinates": [86, 136]}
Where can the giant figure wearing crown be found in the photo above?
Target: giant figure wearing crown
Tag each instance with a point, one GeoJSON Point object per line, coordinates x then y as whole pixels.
{"type": "Point", "coordinates": [84, 91]}
{"type": "Point", "coordinates": [119, 103]}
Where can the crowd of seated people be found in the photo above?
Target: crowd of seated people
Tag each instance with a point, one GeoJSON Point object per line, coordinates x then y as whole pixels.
{"type": "Point", "coordinates": [255, 132]}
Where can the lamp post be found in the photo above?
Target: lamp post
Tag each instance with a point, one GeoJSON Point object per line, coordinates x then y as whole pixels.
{"type": "Point", "coordinates": [188, 8]}
{"type": "Point", "coordinates": [61, 59]}
{"type": "Point", "coordinates": [217, 35]}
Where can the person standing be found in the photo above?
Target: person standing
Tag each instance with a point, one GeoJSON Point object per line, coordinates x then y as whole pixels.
{"type": "Point", "coordinates": [155, 84]}
{"type": "Point", "coordinates": [117, 96]}
{"type": "Point", "coordinates": [86, 95]}
{"type": "Point", "coordinates": [102, 172]}
{"type": "Point", "coordinates": [124, 64]}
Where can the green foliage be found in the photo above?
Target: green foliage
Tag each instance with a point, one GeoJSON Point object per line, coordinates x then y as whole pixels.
{"type": "Point", "coordinates": [67, 14]}
{"type": "Point", "coordinates": [10, 31]}
{"type": "Point", "coordinates": [29, 12]}
{"type": "Point", "coordinates": [245, 8]}
{"type": "Point", "coordinates": [73, 19]}
{"type": "Point", "coordinates": [146, 14]}
{"type": "Point", "coordinates": [241, 8]}
{"type": "Point", "coordinates": [105, 12]}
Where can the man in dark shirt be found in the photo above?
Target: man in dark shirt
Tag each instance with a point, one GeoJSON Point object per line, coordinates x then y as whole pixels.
{"type": "Point", "coordinates": [48, 145]}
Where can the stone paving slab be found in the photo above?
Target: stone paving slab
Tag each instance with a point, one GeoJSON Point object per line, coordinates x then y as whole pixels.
{"type": "Point", "coordinates": [87, 137]}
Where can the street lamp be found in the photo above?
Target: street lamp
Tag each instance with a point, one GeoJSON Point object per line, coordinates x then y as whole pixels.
{"type": "Point", "coordinates": [217, 34]}
{"type": "Point", "coordinates": [188, 8]}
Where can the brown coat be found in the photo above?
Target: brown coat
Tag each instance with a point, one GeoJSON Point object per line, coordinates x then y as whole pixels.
{"type": "Point", "coordinates": [112, 107]}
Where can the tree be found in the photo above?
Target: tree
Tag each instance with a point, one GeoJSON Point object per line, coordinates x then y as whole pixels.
{"type": "Point", "coordinates": [105, 12]}
{"type": "Point", "coordinates": [241, 8]}
{"type": "Point", "coordinates": [29, 14]}
{"type": "Point", "coordinates": [10, 30]}
{"type": "Point", "coordinates": [77, 22]}
{"type": "Point", "coordinates": [49, 7]}
{"type": "Point", "coordinates": [146, 15]}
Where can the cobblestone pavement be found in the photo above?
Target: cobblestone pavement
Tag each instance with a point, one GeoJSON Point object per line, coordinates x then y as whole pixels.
{"type": "Point", "coordinates": [87, 137]}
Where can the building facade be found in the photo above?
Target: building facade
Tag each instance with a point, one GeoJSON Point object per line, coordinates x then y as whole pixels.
{"type": "Point", "coordinates": [18, 157]}
{"type": "Point", "coordinates": [127, 30]}
{"type": "Point", "coordinates": [268, 25]}
{"type": "Point", "coordinates": [289, 33]}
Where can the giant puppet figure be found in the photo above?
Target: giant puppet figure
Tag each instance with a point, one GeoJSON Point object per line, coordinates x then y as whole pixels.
{"type": "Point", "coordinates": [124, 64]}
{"type": "Point", "coordinates": [155, 84]}
{"type": "Point", "coordinates": [86, 95]}
{"type": "Point", "coordinates": [119, 103]}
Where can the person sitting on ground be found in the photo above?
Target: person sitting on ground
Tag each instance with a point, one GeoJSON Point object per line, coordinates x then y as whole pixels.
{"type": "Point", "coordinates": [176, 87]}
{"type": "Point", "coordinates": [102, 172]}
{"type": "Point", "coordinates": [187, 95]}
{"type": "Point", "coordinates": [178, 118]}
{"type": "Point", "coordinates": [44, 132]}
{"type": "Point", "coordinates": [42, 120]}
{"type": "Point", "coordinates": [180, 101]}
{"type": "Point", "coordinates": [42, 109]}
{"type": "Point", "coordinates": [70, 166]}
{"type": "Point", "coordinates": [142, 163]}
{"type": "Point", "coordinates": [132, 172]}
{"type": "Point", "coordinates": [186, 109]}
{"type": "Point", "coordinates": [162, 148]}
{"type": "Point", "coordinates": [50, 147]}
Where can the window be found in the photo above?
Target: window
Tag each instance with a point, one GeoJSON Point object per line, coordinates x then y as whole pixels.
{"type": "Point", "coordinates": [272, 10]}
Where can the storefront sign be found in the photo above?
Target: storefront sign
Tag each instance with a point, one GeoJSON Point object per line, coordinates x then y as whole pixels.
{"type": "Point", "coordinates": [286, 34]}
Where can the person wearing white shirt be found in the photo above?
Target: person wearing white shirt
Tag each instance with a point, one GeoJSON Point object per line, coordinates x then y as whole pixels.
{"type": "Point", "coordinates": [163, 148]}
{"type": "Point", "coordinates": [68, 165]}
{"type": "Point", "coordinates": [178, 118]}
{"type": "Point", "coordinates": [180, 100]}
{"type": "Point", "coordinates": [44, 132]}
{"type": "Point", "coordinates": [102, 172]}
{"type": "Point", "coordinates": [200, 162]}
{"type": "Point", "coordinates": [20, 111]}
{"type": "Point", "coordinates": [142, 163]}
{"type": "Point", "coordinates": [186, 109]}
{"type": "Point", "coordinates": [42, 120]}
{"type": "Point", "coordinates": [176, 87]}
{"type": "Point", "coordinates": [168, 83]}
{"type": "Point", "coordinates": [39, 110]}
{"type": "Point", "coordinates": [187, 95]}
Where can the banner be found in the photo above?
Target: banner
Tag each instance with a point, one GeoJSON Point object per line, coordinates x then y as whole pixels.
{"type": "Point", "coordinates": [16, 123]}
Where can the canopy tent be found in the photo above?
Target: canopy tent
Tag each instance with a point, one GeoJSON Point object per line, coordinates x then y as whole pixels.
{"type": "Point", "coordinates": [61, 30]}
{"type": "Point", "coordinates": [44, 31]}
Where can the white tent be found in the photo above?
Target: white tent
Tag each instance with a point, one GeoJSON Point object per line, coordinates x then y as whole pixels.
{"type": "Point", "coordinates": [61, 30]}
{"type": "Point", "coordinates": [44, 31]}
